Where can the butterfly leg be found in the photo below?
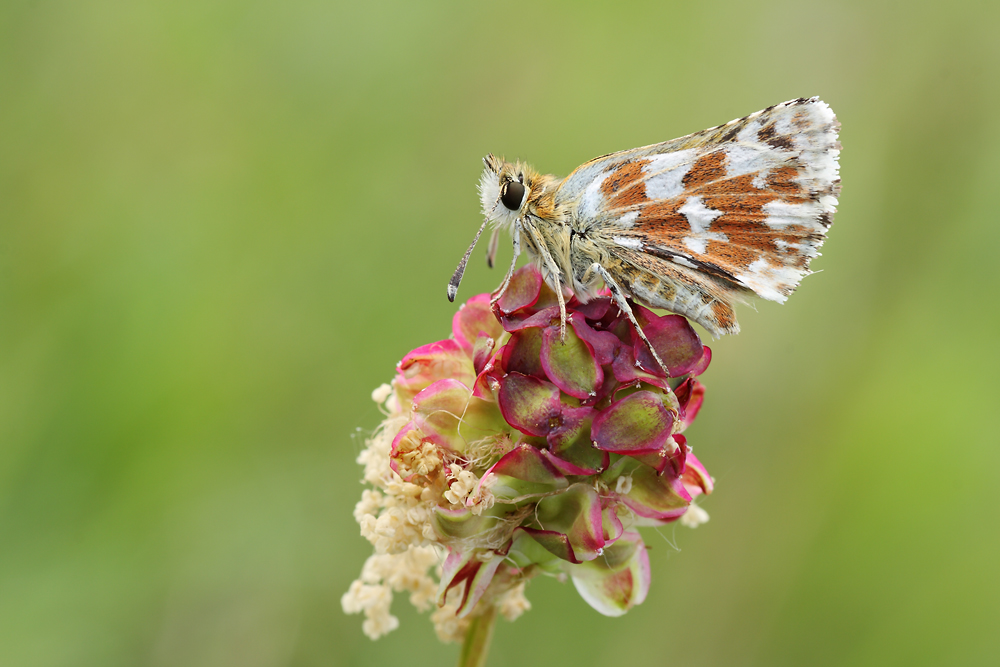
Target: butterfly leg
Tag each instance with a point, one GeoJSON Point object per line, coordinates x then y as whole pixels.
{"type": "Point", "coordinates": [491, 249]}
{"type": "Point", "coordinates": [513, 263]}
{"type": "Point", "coordinates": [554, 271]}
{"type": "Point", "coordinates": [620, 300]}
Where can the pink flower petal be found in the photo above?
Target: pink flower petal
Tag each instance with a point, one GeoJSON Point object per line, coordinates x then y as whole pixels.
{"type": "Point", "coordinates": [437, 411]}
{"type": "Point", "coordinates": [571, 442]}
{"type": "Point", "coordinates": [530, 405]}
{"type": "Point", "coordinates": [570, 364]}
{"type": "Point", "coordinates": [702, 365]}
{"type": "Point", "coordinates": [655, 496]}
{"type": "Point", "coordinates": [522, 319]}
{"type": "Point", "coordinates": [523, 290]}
{"type": "Point", "coordinates": [696, 478]}
{"type": "Point", "coordinates": [522, 472]}
{"type": "Point", "coordinates": [554, 542]}
{"type": "Point", "coordinates": [576, 512]}
{"type": "Point", "coordinates": [482, 351]}
{"type": "Point", "coordinates": [673, 339]}
{"type": "Point", "coordinates": [523, 353]}
{"type": "Point", "coordinates": [612, 525]}
{"type": "Point", "coordinates": [459, 523]}
{"type": "Point", "coordinates": [637, 424]}
{"type": "Point", "coordinates": [428, 363]}
{"type": "Point", "coordinates": [448, 415]}
{"type": "Point", "coordinates": [690, 395]}
{"type": "Point", "coordinates": [604, 344]}
{"type": "Point", "coordinates": [467, 569]}
{"type": "Point", "coordinates": [473, 318]}
{"type": "Point", "coordinates": [618, 580]}
{"type": "Point", "coordinates": [651, 496]}
{"type": "Point", "coordinates": [670, 460]}
{"type": "Point", "coordinates": [526, 551]}
{"type": "Point", "coordinates": [569, 467]}
{"type": "Point", "coordinates": [595, 309]}
{"type": "Point", "coordinates": [626, 371]}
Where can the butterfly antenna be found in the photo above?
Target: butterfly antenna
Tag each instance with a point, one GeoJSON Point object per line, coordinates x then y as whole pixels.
{"type": "Point", "coordinates": [456, 279]}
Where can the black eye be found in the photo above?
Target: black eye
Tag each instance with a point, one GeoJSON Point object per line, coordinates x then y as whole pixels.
{"type": "Point", "coordinates": [513, 193]}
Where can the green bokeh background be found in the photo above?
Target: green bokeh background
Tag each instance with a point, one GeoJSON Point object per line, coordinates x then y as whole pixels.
{"type": "Point", "coordinates": [222, 223]}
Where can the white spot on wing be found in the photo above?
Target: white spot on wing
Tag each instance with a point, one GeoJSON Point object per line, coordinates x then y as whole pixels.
{"type": "Point", "coordinates": [671, 160]}
{"type": "Point", "coordinates": [769, 281]}
{"type": "Point", "coordinates": [683, 262]}
{"type": "Point", "coordinates": [747, 159]}
{"type": "Point", "coordinates": [699, 217]}
{"type": "Point", "coordinates": [805, 248]}
{"type": "Point", "coordinates": [667, 172]}
{"type": "Point", "coordinates": [749, 133]}
{"type": "Point", "coordinates": [627, 242]}
{"type": "Point", "coordinates": [593, 198]}
{"type": "Point", "coordinates": [781, 214]}
{"type": "Point", "coordinates": [627, 221]}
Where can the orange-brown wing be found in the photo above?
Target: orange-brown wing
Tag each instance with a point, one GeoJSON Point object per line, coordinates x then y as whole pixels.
{"type": "Point", "coordinates": [740, 207]}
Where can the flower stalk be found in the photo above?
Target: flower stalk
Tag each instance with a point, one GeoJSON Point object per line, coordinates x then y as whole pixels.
{"type": "Point", "coordinates": [476, 645]}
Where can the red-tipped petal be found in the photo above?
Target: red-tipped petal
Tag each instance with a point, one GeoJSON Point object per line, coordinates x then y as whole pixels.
{"type": "Point", "coordinates": [576, 513]}
{"type": "Point", "coordinates": [637, 424]}
{"type": "Point", "coordinates": [674, 340]}
{"type": "Point", "coordinates": [626, 371]}
{"type": "Point", "coordinates": [481, 352]}
{"type": "Point", "coordinates": [595, 309]}
{"type": "Point", "coordinates": [690, 395]}
{"type": "Point", "coordinates": [524, 319]}
{"type": "Point", "coordinates": [428, 363]}
{"type": "Point", "coordinates": [437, 411]}
{"type": "Point", "coordinates": [613, 528]}
{"type": "Point", "coordinates": [468, 569]}
{"type": "Point", "coordinates": [554, 542]}
{"type": "Point", "coordinates": [670, 460]}
{"type": "Point", "coordinates": [702, 365]}
{"type": "Point", "coordinates": [525, 551]}
{"type": "Point", "coordinates": [571, 468]}
{"type": "Point", "coordinates": [654, 496]}
{"type": "Point", "coordinates": [696, 478]}
{"type": "Point", "coordinates": [603, 344]}
{"type": "Point", "coordinates": [522, 472]}
{"type": "Point", "coordinates": [473, 318]}
{"type": "Point", "coordinates": [570, 364]}
{"type": "Point", "coordinates": [618, 580]}
{"type": "Point", "coordinates": [523, 290]}
{"type": "Point", "coordinates": [530, 405]}
{"type": "Point", "coordinates": [571, 442]}
{"type": "Point", "coordinates": [460, 523]}
{"type": "Point", "coordinates": [523, 353]}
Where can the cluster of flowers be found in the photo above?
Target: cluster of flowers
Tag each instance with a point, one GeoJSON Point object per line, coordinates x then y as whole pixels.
{"type": "Point", "coordinates": [517, 447]}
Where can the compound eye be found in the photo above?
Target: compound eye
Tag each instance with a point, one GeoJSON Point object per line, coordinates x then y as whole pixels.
{"type": "Point", "coordinates": [513, 193]}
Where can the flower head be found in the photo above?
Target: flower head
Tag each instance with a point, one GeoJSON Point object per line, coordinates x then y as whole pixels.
{"type": "Point", "coordinates": [517, 447]}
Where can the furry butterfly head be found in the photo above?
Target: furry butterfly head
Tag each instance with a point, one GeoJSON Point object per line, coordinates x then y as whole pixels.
{"type": "Point", "coordinates": [504, 190]}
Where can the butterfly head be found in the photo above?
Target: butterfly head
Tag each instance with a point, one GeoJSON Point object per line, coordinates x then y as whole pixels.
{"type": "Point", "coordinates": [505, 190]}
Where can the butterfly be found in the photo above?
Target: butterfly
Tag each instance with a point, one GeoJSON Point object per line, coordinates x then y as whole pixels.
{"type": "Point", "coordinates": [691, 225]}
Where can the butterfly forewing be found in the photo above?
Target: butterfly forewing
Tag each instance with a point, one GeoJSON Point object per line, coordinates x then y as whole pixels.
{"type": "Point", "coordinates": [694, 222]}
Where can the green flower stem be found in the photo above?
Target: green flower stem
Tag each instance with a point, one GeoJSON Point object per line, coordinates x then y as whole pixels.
{"type": "Point", "coordinates": [477, 639]}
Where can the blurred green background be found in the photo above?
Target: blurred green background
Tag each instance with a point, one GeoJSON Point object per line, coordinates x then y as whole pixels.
{"type": "Point", "coordinates": [222, 223]}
